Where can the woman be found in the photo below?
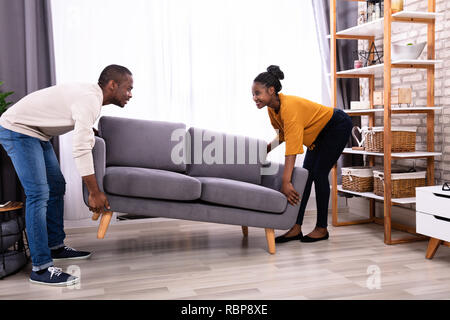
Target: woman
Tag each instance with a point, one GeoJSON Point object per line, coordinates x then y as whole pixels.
{"type": "Point", "coordinates": [324, 130]}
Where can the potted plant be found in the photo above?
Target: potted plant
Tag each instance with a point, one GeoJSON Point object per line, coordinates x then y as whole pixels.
{"type": "Point", "coordinates": [3, 104]}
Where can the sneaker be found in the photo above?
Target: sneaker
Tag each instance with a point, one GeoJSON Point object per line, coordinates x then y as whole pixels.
{"type": "Point", "coordinates": [69, 253]}
{"type": "Point", "coordinates": [53, 277]}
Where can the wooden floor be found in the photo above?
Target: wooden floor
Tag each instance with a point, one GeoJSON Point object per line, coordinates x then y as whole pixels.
{"type": "Point", "coordinates": [176, 259]}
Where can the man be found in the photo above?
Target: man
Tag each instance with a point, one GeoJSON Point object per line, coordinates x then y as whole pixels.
{"type": "Point", "coordinates": [25, 131]}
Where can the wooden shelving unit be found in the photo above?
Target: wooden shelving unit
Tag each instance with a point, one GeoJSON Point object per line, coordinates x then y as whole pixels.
{"type": "Point", "coordinates": [369, 31]}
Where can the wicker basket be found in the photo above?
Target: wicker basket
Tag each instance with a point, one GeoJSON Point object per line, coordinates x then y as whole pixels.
{"type": "Point", "coordinates": [403, 139]}
{"type": "Point", "coordinates": [358, 179]}
{"type": "Point", "coordinates": [404, 184]}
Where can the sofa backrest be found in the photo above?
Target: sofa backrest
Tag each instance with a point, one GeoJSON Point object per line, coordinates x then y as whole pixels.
{"type": "Point", "coordinates": [220, 155]}
{"type": "Point", "coordinates": [140, 143]}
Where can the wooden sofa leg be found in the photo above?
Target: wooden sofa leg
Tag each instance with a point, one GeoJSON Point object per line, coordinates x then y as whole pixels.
{"type": "Point", "coordinates": [245, 231]}
{"type": "Point", "coordinates": [270, 237]}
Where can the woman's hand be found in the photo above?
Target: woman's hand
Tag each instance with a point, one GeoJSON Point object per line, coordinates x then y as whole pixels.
{"type": "Point", "coordinates": [286, 187]}
{"type": "Point", "coordinates": [288, 190]}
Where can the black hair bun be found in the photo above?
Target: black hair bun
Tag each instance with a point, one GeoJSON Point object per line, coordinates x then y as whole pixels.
{"type": "Point", "coordinates": [276, 71]}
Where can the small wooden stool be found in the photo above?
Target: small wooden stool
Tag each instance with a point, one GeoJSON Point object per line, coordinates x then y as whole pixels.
{"type": "Point", "coordinates": [21, 245]}
{"type": "Point", "coordinates": [11, 206]}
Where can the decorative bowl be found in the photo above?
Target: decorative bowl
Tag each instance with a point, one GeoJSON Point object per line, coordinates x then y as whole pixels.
{"type": "Point", "coordinates": [407, 52]}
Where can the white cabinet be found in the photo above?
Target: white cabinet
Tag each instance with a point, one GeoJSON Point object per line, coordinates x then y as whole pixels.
{"type": "Point", "coordinates": [433, 216]}
{"type": "Point", "coordinates": [433, 200]}
{"type": "Point", "coordinates": [433, 226]}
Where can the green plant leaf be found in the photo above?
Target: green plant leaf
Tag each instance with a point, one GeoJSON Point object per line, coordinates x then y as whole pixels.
{"type": "Point", "coordinates": [3, 103]}
{"type": "Point", "coordinates": [6, 94]}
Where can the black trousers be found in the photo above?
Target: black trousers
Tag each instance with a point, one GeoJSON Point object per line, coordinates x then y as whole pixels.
{"type": "Point", "coordinates": [319, 160]}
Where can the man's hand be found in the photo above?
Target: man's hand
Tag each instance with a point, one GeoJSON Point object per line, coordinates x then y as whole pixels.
{"type": "Point", "coordinates": [288, 190]}
{"type": "Point", "coordinates": [98, 202]}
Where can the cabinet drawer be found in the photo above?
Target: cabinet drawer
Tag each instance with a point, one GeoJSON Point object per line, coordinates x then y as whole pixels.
{"type": "Point", "coordinates": [432, 226]}
{"type": "Point", "coordinates": [432, 203]}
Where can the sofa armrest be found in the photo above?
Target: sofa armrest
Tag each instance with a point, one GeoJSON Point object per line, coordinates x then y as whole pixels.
{"type": "Point", "coordinates": [99, 155]}
{"type": "Point", "coordinates": [299, 178]}
{"type": "Point", "coordinates": [274, 181]}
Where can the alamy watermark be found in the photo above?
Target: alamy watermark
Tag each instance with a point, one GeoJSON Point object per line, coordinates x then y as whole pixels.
{"type": "Point", "coordinates": [221, 149]}
{"type": "Point", "coordinates": [374, 280]}
{"type": "Point", "coordinates": [75, 273]}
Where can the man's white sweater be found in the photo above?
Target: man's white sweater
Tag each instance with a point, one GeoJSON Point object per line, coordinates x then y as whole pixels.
{"type": "Point", "coordinates": [57, 110]}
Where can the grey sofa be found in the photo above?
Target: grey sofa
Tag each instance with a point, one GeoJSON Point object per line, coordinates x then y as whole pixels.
{"type": "Point", "coordinates": [160, 169]}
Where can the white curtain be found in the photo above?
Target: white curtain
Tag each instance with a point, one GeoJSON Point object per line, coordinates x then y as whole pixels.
{"type": "Point", "coordinates": [192, 61]}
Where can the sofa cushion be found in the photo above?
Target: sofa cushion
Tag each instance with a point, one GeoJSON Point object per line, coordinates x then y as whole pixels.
{"type": "Point", "coordinates": [219, 155]}
{"type": "Point", "coordinates": [242, 195]}
{"type": "Point", "coordinates": [141, 143]}
{"type": "Point", "coordinates": [151, 183]}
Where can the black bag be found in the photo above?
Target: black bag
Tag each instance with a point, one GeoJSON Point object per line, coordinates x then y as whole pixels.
{"type": "Point", "coordinates": [13, 255]}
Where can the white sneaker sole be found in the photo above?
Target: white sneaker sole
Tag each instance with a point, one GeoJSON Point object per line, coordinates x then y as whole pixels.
{"type": "Point", "coordinates": [74, 258]}
{"type": "Point", "coordinates": [61, 284]}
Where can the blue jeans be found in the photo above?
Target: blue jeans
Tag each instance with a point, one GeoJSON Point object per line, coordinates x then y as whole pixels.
{"type": "Point", "coordinates": [328, 147]}
{"type": "Point", "coordinates": [43, 182]}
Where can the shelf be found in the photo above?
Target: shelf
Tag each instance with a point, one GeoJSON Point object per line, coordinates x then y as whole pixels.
{"type": "Point", "coordinates": [379, 68]}
{"type": "Point", "coordinates": [415, 15]}
{"type": "Point", "coordinates": [399, 155]}
{"type": "Point", "coordinates": [372, 70]}
{"type": "Point", "coordinates": [370, 32]}
{"type": "Point", "coordinates": [372, 28]}
{"type": "Point", "coordinates": [376, 27]}
{"type": "Point", "coordinates": [396, 110]}
{"type": "Point", "coordinates": [372, 195]}
{"type": "Point", "coordinates": [414, 62]}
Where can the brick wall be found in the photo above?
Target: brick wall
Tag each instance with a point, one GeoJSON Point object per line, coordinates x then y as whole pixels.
{"type": "Point", "coordinates": [403, 33]}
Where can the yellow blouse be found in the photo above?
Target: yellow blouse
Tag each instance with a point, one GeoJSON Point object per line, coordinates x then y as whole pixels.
{"type": "Point", "coordinates": [299, 122]}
